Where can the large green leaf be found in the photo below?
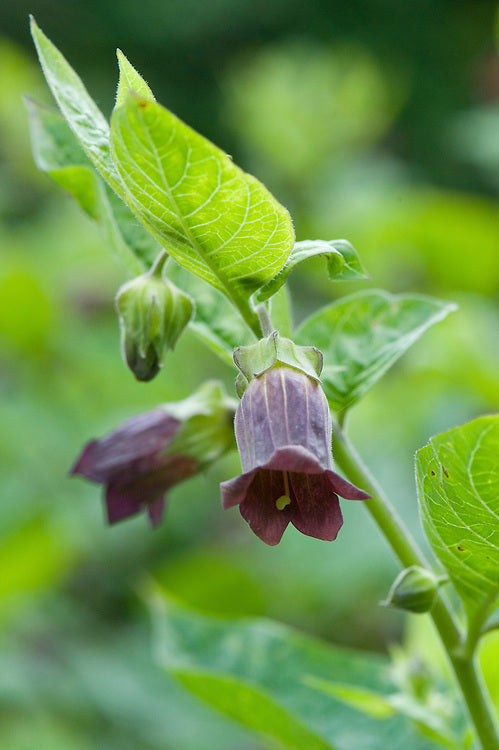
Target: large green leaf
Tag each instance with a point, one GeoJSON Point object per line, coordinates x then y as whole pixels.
{"type": "Point", "coordinates": [363, 334]}
{"type": "Point", "coordinates": [458, 483]}
{"type": "Point", "coordinates": [300, 691]}
{"type": "Point", "coordinates": [81, 112]}
{"type": "Point", "coordinates": [343, 263]}
{"type": "Point", "coordinates": [57, 152]}
{"type": "Point", "coordinates": [216, 221]}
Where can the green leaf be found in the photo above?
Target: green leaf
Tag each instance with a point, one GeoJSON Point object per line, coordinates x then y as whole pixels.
{"type": "Point", "coordinates": [272, 679]}
{"type": "Point", "coordinates": [81, 112]}
{"type": "Point", "coordinates": [458, 483]}
{"type": "Point", "coordinates": [363, 334]}
{"type": "Point", "coordinates": [343, 263]}
{"type": "Point", "coordinates": [58, 153]}
{"type": "Point", "coordinates": [130, 80]}
{"type": "Point", "coordinates": [214, 220]}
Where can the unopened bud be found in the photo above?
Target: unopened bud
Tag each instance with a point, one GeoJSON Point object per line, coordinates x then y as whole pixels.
{"type": "Point", "coordinates": [153, 313]}
{"type": "Point", "coordinates": [414, 590]}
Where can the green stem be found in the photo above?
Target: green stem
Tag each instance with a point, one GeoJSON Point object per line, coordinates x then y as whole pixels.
{"type": "Point", "coordinates": [248, 314]}
{"type": "Point", "coordinates": [469, 679]}
{"type": "Point", "coordinates": [264, 319]}
{"type": "Point", "coordinates": [477, 625]}
{"type": "Point", "coordinates": [158, 265]}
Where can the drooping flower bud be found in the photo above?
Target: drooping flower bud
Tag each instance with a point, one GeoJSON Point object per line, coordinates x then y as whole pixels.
{"type": "Point", "coordinates": [153, 313]}
{"type": "Point", "coordinates": [283, 433]}
{"type": "Point", "coordinates": [150, 453]}
{"type": "Point", "coordinates": [413, 590]}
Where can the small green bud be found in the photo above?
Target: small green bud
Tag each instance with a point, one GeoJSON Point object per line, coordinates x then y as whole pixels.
{"type": "Point", "coordinates": [414, 590]}
{"type": "Point", "coordinates": [153, 313]}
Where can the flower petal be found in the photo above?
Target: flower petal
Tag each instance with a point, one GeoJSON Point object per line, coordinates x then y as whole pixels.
{"type": "Point", "coordinates": [280, 408]}
{"type": "Point", "coordinates": [119, 505]}
{"type": "Point", "coordinates": [316, 511]}
{"type": "Point", "coordinates": [155, 511]}
{"type": "Point", "coordinates": [259, 508]}
{"type": "Point", "coordinates": [345, 489]}
{"type": "Point", "coordinates": [130, 448]}
{"type": "Point", "coordinates": [233, 491]}
{"type": "Point", "coordinates": [294, 458]}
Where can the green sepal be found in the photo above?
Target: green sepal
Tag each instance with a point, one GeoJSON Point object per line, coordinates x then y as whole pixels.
{"type": "Point", "coordinates": [153, 313]}
{"type": "Point", "coordinates": [257, 358]}
{"type": "Point", "coordinates": [413, 590]}
{"type": "Point", "coordinates": [207, 418]}
{"type": "Point", "coordinates": [241, 384]}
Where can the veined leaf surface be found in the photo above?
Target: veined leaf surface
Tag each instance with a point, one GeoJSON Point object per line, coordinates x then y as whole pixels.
{"type": "Point", "coordinates": [363, 334]}
{"type": "Point", "coordinates": [216, 221]}
{"type": "Point", "coordinates": [300, 691]}
{"type": "Point", "coordinates": [458, 484]}
{"type": "Point", "coordinates": [81, 112]}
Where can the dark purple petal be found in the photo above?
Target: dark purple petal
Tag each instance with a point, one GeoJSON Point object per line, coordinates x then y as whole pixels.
{"type": "Point", "coordinates": [128, 450]}
{"type": "Point", "coordinates": [163, 473]}
{"type": "Point", "coordinates": [283, 432]}
{"type": "Point", "coordinates": [259, 507]}
{"type": "Point", "coordinates": [233, 491]}
{"type": "Point", "coordinates": [283, 407]}
{"type": "Point", "coordinates": [155, 511]}
{"type": "Point", "coordinates": [119, 505]}
{"type": "Point", "coordinates": [345, 489]}
{"type": "Point", "coordinates": [294, 458]}
{"type": "Point", "coordinates": [317, 509]}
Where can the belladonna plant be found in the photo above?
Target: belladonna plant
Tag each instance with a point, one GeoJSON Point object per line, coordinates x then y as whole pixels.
{"type": "Point", "coordinates": [209, 248]}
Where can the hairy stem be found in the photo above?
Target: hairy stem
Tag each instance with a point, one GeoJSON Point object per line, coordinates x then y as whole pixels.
{"type": "Point", "coordinates": [264, 319]}
{"type": "Point", "coordinates": [468, 677]}
{"type": "Point", "coordinates": [248, 315]}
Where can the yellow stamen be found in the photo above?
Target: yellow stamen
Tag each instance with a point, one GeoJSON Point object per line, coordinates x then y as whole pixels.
{"type": "Point", "coordinates": [286, 483]}
{"type": "Point", "coordinates": [282, 501]}
{"type": "Point", "coordinates": [285, 499]}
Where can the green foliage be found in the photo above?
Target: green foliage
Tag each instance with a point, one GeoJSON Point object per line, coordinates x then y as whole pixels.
{"type": "Point", "coordinates": [458, 477]}
{"type": "Point", "coordinates": [190, 197]}
{"type": "Point", "coordinates": [343, 263]}
{"type": "Point", "coordinates": [215, 220]}
{"type": "Point", "coordinates": [362, 335]}
{"type": "Point", "coordinates": [130, 80]}
{"type": "Point", "coordinates": [58, 153]}
{"type": "Point", "coordinates": [270, 678]}
{"type": "Point", "coordinates": [82, 114]}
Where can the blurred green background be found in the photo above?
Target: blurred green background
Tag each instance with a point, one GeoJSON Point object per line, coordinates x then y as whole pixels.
{"type": "Point", "coordinates": [377, 121]}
